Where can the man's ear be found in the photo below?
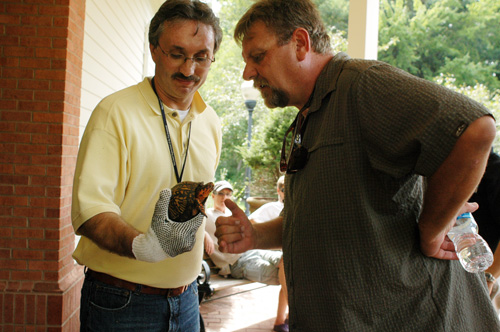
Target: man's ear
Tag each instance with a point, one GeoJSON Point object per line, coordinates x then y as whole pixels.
{"type": "Point", "coordinates": [302, 43]}
{"type": "Point", "coordinates": [152, 49]}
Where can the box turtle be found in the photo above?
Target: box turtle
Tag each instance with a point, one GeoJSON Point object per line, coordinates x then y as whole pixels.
{"type": "Point", "coordinates": [188, 199]}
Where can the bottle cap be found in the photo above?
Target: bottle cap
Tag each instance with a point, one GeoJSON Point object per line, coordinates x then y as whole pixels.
{"type": "Point", "coordinates": [465, 215]}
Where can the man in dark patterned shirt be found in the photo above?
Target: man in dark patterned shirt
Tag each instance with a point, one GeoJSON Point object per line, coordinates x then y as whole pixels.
{"type": "Point", "coordinates": [379, 163]}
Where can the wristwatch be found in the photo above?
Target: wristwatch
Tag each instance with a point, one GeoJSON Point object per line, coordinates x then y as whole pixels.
{"type": "Point", "coordinates": [489, 277]}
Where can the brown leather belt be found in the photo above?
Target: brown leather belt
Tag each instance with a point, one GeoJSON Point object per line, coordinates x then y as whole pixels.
{"type": "Point", "coordinates": [110, 280]}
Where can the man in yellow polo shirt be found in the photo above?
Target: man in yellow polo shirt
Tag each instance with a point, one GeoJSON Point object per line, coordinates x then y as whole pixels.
{"type": "Point", "coordinates": [139, 142]}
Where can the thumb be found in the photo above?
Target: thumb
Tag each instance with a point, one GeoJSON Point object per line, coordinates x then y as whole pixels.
{"type": "Point", "coordinates": [472, 206]}
{"type": "Point", "coordinates": [165, 195]}
{"type": "Point", "coordinates": [469, 207]}
{"type": "Point", "coordinates": [233, 207]}
{"type": "Point", "coordinates": [161, 207]}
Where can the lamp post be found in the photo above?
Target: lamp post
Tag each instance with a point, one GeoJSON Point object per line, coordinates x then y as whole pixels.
{"type": "Point", "coordinates": [250, 94]}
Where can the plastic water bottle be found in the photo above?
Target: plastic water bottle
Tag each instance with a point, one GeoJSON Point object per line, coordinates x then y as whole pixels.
{"type": "Point", "coordinates": [473, 252]}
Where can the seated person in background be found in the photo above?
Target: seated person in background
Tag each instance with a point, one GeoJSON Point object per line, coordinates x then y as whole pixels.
{"type": "Point", "coordinates": [222, 189]}
{"type": "Point", "coordinates": [264, 266]}
{"type": "Point", "coordinates": [258, 265]}
{"type": "Point", "coordinates": [271, 210]}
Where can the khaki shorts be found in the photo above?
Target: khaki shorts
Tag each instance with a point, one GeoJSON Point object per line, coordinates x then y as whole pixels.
{"type": "Point", "coordinates": [259, 266]}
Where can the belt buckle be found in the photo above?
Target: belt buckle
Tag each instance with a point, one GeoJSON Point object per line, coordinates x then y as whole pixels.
{"type": "Point", "coordinates": [173, 292]}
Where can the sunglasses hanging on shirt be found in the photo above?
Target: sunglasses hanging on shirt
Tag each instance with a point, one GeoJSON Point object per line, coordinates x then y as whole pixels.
{"type": "Point", "coordinates": [299, 155]}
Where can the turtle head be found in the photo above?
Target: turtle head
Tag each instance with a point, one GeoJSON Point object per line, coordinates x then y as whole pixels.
{"type": "Point", "coordinates": [202, 192]}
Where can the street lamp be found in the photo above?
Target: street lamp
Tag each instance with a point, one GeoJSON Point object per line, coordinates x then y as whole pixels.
{"type": "Point", "coordinates": [250, 94]}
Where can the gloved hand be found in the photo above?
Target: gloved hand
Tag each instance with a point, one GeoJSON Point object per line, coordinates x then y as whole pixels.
{"type": "Point", "coordinates": [165, 238]}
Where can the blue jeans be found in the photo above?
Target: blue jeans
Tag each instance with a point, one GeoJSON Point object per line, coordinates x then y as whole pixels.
{"type": "Point", "coordinates": [108, 308]}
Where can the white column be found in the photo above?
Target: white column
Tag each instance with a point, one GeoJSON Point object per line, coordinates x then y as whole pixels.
{"type": "Point", "coordinates": [362, 34]}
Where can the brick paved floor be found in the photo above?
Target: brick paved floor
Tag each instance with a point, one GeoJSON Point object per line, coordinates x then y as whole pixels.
{"type": "Point", "coordinates": [245, 308]}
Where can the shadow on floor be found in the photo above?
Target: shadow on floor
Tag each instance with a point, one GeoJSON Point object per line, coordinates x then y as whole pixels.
{"type": "Point", "coordinates": [241, 308]}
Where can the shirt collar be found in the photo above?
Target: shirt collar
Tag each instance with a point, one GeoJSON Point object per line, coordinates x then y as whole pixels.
{"type": "Point", "coordinates": [327, 80]}
{"type": "Point", "coordinates": [198, 105]}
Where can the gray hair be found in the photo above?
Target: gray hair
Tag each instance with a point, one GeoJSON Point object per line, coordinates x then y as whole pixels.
{"type": "Point", "coordinates": [181, 10]}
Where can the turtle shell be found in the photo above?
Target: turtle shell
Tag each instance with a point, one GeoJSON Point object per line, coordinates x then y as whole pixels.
{"type": "Point", "coordinates": [188, 199]}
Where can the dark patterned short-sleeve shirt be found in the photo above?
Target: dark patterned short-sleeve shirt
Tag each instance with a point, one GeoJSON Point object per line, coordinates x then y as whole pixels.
{"type": "Point", "coordinates": [350, 236]}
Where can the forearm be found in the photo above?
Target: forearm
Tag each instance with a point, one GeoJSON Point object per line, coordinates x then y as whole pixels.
{"type": "Point", "coordinates": [269, 234]}
{"type": "Point", "coordinates": [110, 232]}
{"type": "Point", "coordinates": [455, 180]}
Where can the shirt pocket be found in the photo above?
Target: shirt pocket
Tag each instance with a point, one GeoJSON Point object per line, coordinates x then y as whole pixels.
{"type": "Point", "coordinates": [326, 143]}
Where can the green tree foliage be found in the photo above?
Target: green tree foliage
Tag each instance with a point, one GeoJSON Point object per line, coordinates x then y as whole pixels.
{"type": "Point", "coordinates": [479, 93]}
{"type": "Point", "coordinates": [265, 152]}
{"type": "Point", "coordinates": [452, 37]}
{"type": "Point", "coordinates": [335, 13]}
{"type": "Point", "coordinates": [453, 42]}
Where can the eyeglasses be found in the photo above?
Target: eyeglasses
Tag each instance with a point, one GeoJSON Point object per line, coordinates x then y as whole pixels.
{"type": "Point", "coordinates": [224, 194]}
{"type": "Point", "coordinates": [298, 155]}
{"type": "Point", "coordinates": [178, 59]}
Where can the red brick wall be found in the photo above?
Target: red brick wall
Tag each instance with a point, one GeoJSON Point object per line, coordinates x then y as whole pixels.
{"type": "Point", "coordinates": [41, 46]}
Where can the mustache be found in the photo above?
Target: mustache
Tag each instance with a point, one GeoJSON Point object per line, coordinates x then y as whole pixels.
{"type": "Point", "coordinates": [257, 83]}
{"type": "Point", "coordinates": [193, 78]}
{"type": "Point", "coordinates": [277, 97]}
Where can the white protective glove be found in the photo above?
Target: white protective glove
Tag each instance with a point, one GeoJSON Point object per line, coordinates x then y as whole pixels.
{"type": "Point", "coordinates": [165, 238]}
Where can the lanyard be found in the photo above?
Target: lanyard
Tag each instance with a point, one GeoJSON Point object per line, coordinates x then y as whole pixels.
{"type": "Point", "coordinates": [169, 140]}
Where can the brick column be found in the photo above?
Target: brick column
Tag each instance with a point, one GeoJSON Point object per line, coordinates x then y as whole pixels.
{"type": "Point", "coordinates": [41, 46]}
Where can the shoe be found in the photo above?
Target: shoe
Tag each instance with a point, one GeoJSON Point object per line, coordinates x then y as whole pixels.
{"type": "Point", "coordinates": [225, 271]}
{"type": "Point", "coordinates": [281, 328]}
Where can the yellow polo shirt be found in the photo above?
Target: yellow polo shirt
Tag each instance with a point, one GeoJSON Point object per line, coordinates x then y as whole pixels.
{"type": "Point", "coordinates": [124, 162]}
